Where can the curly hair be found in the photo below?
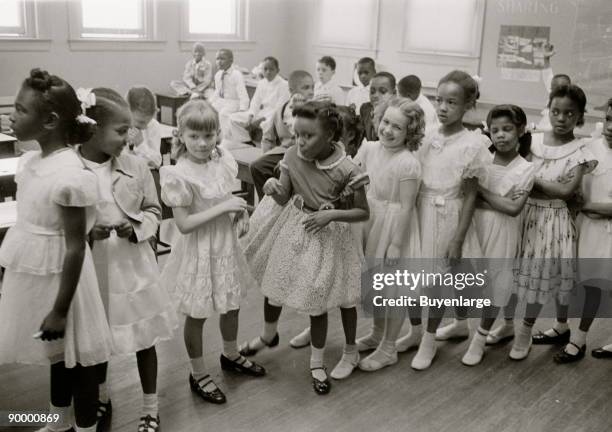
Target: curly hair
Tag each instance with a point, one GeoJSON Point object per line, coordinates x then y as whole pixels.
{"type": "Point", "coordinates": [57, 96]}
{"type": "Point", "coordinates": [198, 115]}
{"type": "Point", "coordinates": [413, 113]}
{"type": "Point", "coordinates": [575, 94]}
{"type": "Point", "coordinates": [325, 113]}
{"type": "Point", "coordinates": [518, 118]}
{"type": "Point", "coordinates": [351, 122]}
{"type": "Point", "coordinates": [466, 82]}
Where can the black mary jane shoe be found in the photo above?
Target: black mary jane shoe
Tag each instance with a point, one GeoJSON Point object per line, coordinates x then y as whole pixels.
{"type": "Point", "coordinates": [321, 387]}
{"type": "Point", "coordinates": [563, 356]}
{"type": "Point", "coordinates": [216, 396]}
{"type": "Point", "coordinates": [601, 353]}
{"type": "Point", "coordinates": [239, 366]}
{"type": "Point", "coordinates": [149, 423]}
{"type": "Point", "coordinates": [248, 351]}
{"type": "Point", "coordinates": [104, 414]}
{"type": "Point", "coordinates": [540, 338]}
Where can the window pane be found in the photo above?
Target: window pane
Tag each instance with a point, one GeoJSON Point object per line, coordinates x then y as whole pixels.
{"type": "Point", "coordinates": [11, 14]}
{"type": "Point", "coordinates": [212, 16]}
{"type": "Point", "coordinates": [441, 25]}
{"type": "Point", "coordinates": [112, 14]}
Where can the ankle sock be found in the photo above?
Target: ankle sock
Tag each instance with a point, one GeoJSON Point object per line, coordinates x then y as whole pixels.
{"type": "Point", "coordinates": [150, 405]}
{"type": "Point", "coordinates": [198, 369]}
{"type": "Point", "coordinates": [270, 330]}
{"type": "Point", "coordinates": [316, 361]}
{"type": "Point", "coordinates": [65, 418]}
{"type": "Point", "coordinates": [559, 327]}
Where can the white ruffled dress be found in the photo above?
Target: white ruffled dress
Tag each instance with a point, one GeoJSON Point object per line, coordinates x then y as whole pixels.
{"type": "Point", "coordinates": [548, 246]}
{"type": "Point", "coordinates": [139, 310]}
{"type": "Point", "coordinates": [33, 254]}
{"type": "Point", "coordinates": [206, 271]}
{"type": "Point", "coordinates": [499, 233]}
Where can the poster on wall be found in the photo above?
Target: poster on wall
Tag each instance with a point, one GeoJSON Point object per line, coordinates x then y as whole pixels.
{"type": "Point", "coordinates": [520, 52]}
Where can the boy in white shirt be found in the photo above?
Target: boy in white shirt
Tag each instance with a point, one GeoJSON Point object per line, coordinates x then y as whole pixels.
{"type": "Point", "coordinates": [144, 137]}
{"type": "Point", "coordinates": [197, 76]}
{"type": "Point", "coordinates": [410, 87]}
{"type": "Point", "coordinates": [230, 91]}
{"type": "Point", "coordinates": [360, 94]}
{"type": "Point", "coordinates": [271, 91]}
{"type": "Point", "coordinates": [326, 88]}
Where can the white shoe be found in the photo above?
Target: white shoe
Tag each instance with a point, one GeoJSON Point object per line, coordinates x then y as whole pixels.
{"type": "Point", "coordinates": [411, 340]}
{"type": "Point", "coordinates": [500, 334]}
{"type": "Point", "coordinates": [458, 329]}
{"type": "Point", "coordinates": [367, 343]}
{"type": "Point", "coordinates": [475, 352]}
{"type": "Point", "coordinates": [345, 366]}
{"type": "Point", "coordinates": [522, 344]}
{"type": "Point", "coordinates": [378, 360]}
{"type": "Point", "coordinates": [301, 340]}
{"type": "Point", "coordinates": [426, 353]}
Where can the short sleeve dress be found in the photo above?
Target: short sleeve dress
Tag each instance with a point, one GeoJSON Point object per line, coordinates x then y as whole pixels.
{"type": "Point", "coordinates": [33, 254]}
{"type": "Point", "coordinates": [312, 273]}
{"type": "Point", "coordinates": [548, 234]}
{"type": "Point", "coordinates": [206, 271]}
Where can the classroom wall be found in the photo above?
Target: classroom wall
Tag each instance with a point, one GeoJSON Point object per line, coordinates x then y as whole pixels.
{"type": "Point", "coordinates": [119, 70]}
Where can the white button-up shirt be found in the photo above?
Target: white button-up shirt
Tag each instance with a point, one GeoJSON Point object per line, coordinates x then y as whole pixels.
{"type": "Point", "coordinates": [229, 84]}
{"type": "Point", "coordinates": [268, 96]}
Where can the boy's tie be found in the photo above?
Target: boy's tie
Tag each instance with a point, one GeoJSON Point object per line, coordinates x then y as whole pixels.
{"type": "Point", "coordinates": [222, 90]}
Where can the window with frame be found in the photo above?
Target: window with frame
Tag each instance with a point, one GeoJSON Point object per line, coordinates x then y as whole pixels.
{"type": "Point", "coordinates": [215, 20]}
{"type": "Point", "coordinates": [18, 19]}
{"type": "Point", "coordinates": [443, 26]}
{"type": "Point", "coordinates": [348, 23]}
{"type": "Point", "coordinates": [113, 19]}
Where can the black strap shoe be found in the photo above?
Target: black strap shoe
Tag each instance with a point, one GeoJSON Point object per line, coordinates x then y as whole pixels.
{"type": "Point", "coordinates": [149, 424]}
{"type": "Point", "coordinates": [321, 387]}
{"type": "Point", "coordinates": [563, 356]}
{"type": "Point", "coordinates": [247, 351]}
{"type": "Point", "coordinates": [216, 396]}
{"type": "Point", "coordinates": [540, 338]}
{"type": "Point", "coordinates": [104, 414]}
{"type": "Point", "coordinates": [601, 353]}
{"type": "Point", "coordinates": [240, 366]}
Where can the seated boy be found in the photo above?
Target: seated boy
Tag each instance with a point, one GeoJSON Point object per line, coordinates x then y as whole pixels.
{"type": "Point", "coordinates": [382, 87]}
{"type": "Point", "coordinates": [230, 91]}
{"type": "Point", "coordinates": [360, 94]}
{"type": "Point", "coordinates": [144, 138]}
{"type": "Point", "coordinates": [271, 91]}
{"type": "Point", "coordinates": [197, 77]}
{"type": "Point", "coordinates": [326, 89]}
{"type": "Point", "coordinates": [279, 137]}
{"type": "Point", "coordinates": [410, 87]}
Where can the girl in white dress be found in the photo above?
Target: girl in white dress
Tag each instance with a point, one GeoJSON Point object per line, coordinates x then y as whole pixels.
{"type": "Point", "coordinates": [548, 245]}
{"type": "Point", "coordinates": [503, 192]}
{"type": "Point", "coordinates": [127, 216]}
{"type": "Point", "coordinates": [206, 271]}
{"type": "Point", "coordinates": [392, 232]}
{"type": "Point", "coordinates": [452, 159]}
{"type": "Point", "coordinates": [50, 288]}
{"type": "Point", "coordinates": [594, 243]}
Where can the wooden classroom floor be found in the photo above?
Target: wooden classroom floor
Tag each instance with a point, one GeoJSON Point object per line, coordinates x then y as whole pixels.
{"type": "Point", "coordinates": [499, 395]}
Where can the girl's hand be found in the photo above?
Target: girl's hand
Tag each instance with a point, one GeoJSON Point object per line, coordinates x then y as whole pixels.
{"type": "Point", "coordinates": [317, 221]}
{"type": "Point", "coordinates": [566, 178]}
{"type": "Point", "coordinates": [234, 205]}
{"type": "Point", "coordinates": [53, 326]}
{"type": "Point", "coordinates": [125, 229]}
{"type": "Point", "coordinates": [100, 232]}
{"type": "Point", "coordinates": [272, 186]}
{"type": "Point", "coordinates": [517, 194]}
{"type": "Point", "coordinates": [392, 256]}
{"type": "Point", "coordinates": [453, 254]}
{"type": "Point", "coordinates": [242, 224]}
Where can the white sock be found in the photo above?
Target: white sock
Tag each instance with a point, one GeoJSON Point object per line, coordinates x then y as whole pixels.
{"type": "Point", "coordinates": [270, 330]}
{"type": "Point", "coordinates": [578, 338]}
{"type": "Point", "coordinates": [198, 369]}
{"type": "Point", "coordinates": [316, 361]}
{"type": "Point", "coordinates": [607, 347]}
{"type": "Point", "coordinates": [350, 349]}
{"type": "Point", "coordinates": [230, 350]}
{"type": "Point", "coordinates": [103, 389]}
{"type": "Point", "coordinates": [86, 429]}
{"type": "Point", "coordinates": [559, 327]}
{"type": "Point", "coordinates": [65, 418]}
{"type": "Point", "coordinates": [150, 405]}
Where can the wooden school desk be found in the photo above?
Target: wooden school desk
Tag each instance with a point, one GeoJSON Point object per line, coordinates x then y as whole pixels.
{"type": "Point", "coordinates": [7, 146]}
{"type": "Point", "coordinates": [8, 168]}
